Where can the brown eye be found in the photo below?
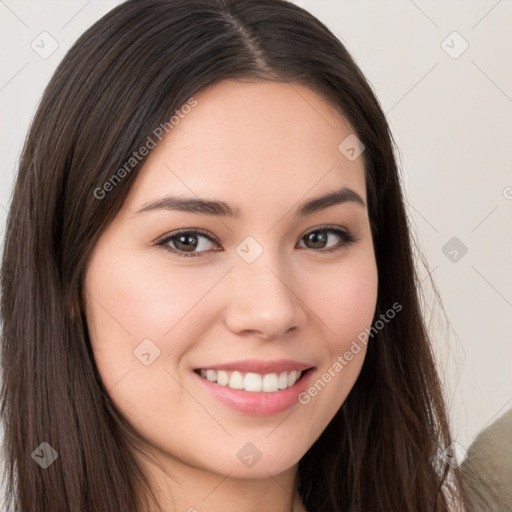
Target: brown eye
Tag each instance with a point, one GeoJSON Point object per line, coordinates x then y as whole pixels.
{"type": "Point", "coordinates": [186, 243]}
{"type": "Point", "coordinates": [319, 238]}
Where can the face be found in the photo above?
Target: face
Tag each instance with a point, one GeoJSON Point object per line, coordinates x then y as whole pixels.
{"type": "Point", "coordinates": [271, 293]}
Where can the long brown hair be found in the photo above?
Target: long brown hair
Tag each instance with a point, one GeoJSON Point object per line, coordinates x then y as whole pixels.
{"type": "Point", "coordinates": [124, 77]}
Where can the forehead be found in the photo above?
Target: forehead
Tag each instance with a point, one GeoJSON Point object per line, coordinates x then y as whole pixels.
{"type": "Point", "coordinates": [251, 142]}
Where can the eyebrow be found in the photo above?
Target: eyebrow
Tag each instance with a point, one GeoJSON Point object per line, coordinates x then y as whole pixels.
{"type": "Point", "coordinates": [220, 208]}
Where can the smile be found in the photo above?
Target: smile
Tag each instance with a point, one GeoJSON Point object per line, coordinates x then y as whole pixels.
{"type": "Point", "coordinates": [253, 382]}
{"type": "Point", "coordinates": [255, 394]}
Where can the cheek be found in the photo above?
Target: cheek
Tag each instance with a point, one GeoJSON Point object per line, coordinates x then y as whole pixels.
{"type": "Point", "coordinates": [135, 306]}
{"type": "Point", "coordinates": [344, 298]}
{"type": "Point", "coordinates": [134, 298]}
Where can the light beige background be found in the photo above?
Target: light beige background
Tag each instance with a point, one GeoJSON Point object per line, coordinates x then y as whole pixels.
{"type": "Point", "coordinates": [451, 116]}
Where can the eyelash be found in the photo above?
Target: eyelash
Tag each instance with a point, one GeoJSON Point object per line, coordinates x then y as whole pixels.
{"type": "Point", "coordinates": [347, 240]}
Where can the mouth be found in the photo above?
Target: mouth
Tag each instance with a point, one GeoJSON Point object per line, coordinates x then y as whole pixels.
{"type": "Point", "coordinates": [253, 382]}
{"type": "Point", "coordinates": [255, 394]}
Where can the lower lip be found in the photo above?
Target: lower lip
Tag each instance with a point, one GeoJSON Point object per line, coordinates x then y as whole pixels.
{"type": "Point", "coordinates": [258, 403]}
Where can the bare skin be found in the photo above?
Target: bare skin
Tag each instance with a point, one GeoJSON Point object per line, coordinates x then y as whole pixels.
{"type": "Point", "coordinates": [264, 148]}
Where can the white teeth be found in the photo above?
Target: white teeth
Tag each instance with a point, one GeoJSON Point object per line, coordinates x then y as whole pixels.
{"type": "Point", "coordinates": [236, 381]}
{"type": "Point", "coordinates": [269, 383]}
{"type": "Point", "coordinates": [254, 382]}
{"type": "Point", "coordinates": [222, 378]}
{"type": "Point", "coordinates": [292, 377]}
{"type": "Point", "coordinates": [282, 383]}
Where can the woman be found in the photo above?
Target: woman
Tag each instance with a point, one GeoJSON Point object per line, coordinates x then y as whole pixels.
{"type": "Point", "coordinates": [209, 298]}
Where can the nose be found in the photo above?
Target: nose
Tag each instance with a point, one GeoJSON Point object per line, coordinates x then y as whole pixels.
{"type": "Point", "coordinates": [264, 300]}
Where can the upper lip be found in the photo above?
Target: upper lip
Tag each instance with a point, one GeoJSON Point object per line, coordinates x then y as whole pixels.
{"type": "Point", "coordinates": [259, 366]}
